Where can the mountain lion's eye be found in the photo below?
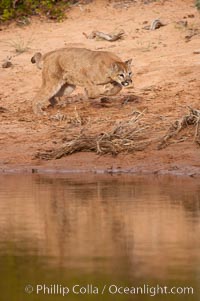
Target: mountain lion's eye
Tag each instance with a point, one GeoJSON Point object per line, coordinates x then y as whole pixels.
{"type": "Point", "coordinates": [121, 75]}
{"type": "Point", "coordinates": [130, 73]}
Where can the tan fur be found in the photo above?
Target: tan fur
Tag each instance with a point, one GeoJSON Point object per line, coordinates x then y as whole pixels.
{"type": "Point", "coordinates": [99, 72]}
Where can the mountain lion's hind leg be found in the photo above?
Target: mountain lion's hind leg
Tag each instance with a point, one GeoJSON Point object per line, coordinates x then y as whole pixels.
{"type": "Point", "coordinates": [44, 95]}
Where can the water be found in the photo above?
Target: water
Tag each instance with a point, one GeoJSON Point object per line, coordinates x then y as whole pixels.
{"type": "Point", "coordinates": [98, 230]}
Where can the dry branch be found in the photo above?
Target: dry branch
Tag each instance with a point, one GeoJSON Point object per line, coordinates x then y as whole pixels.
{"type": "Point", "coordinates": [155, 24]}
{"type": "Point", "coordinates": [124, 136]}
{"type": "Point", "coordinates": [105, 36]}
{"type": "Point", "coordinates": [193, 118]}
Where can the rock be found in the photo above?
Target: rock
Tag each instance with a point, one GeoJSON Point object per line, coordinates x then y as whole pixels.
{"type": "Point", "coordinates": [7, 64]}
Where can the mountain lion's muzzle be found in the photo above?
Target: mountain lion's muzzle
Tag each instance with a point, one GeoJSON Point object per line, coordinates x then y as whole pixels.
{"type": "Point", "coordinates": [127, 82]}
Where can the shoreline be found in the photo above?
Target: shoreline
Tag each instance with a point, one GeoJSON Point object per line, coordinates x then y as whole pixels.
{"type": "Point", "coordinates": [180, 171]}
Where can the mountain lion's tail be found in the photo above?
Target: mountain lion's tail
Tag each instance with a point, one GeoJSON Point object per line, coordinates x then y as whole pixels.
{"type": "Point", "coordinates": [37, 59]}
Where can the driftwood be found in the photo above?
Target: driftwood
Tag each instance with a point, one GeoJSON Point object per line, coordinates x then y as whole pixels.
{"type": "Point", "coordinates": [155, 24]}
{"type": "Point", "coordinates": [125, 136]}
{"type": "Point", "coordinates": [105, 36]}
{"type": "Point", "coordinates": [193, 118]}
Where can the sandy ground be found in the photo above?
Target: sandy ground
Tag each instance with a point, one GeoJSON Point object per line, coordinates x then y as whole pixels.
{"type": "Point", "coordinates": [166, 81]}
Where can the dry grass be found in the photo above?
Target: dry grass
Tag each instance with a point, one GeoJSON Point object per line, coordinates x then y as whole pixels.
{"type": "Point", "coordinates": [128, 135]}
{"type": "Point", "coordinates": [193, 118]}
{"type": "Point", "coordinates": [20, 45]}
{"type": "Point", "coordinates": [135, 132]}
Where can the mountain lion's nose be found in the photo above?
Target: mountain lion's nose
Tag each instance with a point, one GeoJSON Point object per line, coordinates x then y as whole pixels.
{"type": "Point", "coordinates": [126, 83]}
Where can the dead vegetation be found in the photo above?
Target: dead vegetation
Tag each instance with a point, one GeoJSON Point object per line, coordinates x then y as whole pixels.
{"type": "Point", "coordinates": [135, 132]}
{"type": "Point", "coordinates": [155, 24]}
{"type": "Point", "coordinates": [193, 118]}
{"type": "Point", "coordinates": [128, 135]}
{"type": "Point", "coordinates": [19, 44]}
{"type": "Point", "coordinates": [111, 37]}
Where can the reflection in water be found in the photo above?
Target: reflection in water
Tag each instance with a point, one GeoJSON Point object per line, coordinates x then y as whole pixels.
{"type": "Point", "coordinates": [103, 228]}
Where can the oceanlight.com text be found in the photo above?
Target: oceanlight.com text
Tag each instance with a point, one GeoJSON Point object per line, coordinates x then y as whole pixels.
{"type": "Point", "coordinates": [111, 289]}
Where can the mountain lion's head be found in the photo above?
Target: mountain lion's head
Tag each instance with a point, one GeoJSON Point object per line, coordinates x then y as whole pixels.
{"type": "Point", "coordinates": [121, 73]}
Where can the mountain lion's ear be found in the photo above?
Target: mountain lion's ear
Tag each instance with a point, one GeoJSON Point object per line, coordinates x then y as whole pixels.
{"type": "Point", "coordinates": [114, 67]}
{"type": "Point", "coordinates": [128, 63]}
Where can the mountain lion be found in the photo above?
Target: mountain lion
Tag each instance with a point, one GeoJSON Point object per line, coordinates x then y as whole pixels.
{"type": "Point", "coordinates": [101, 73]}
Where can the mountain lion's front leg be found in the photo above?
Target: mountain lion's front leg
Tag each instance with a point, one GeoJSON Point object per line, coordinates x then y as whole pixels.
{"type": "Point", "coordinates": [43, 97]}
{"type": "Point", "coordinates": [112, 89]}
{"type": "Point", "coordinates": [103, 90]}
{"type": "Point", "coordinates": [94, 91]}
